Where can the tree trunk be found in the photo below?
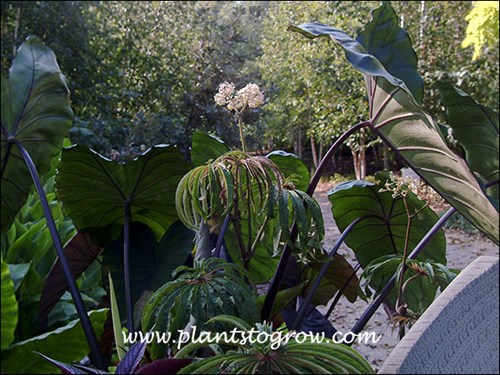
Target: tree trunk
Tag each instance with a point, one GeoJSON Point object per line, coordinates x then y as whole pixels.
{"type": "Point", "coordinates": [313, 151]}
{"type": "Point", "coordinates": [385, 151]}
{"type": "Point", "coordinates": [362, 155]}
{"type": "Point", "coordinates": [320, 150]}
{"type": "Point", "coordinates": [16, 31]}
{"type": "Point", "coordinates": [299, 144]}
{"type": "Point", "coordinates": [355, 160]}
{"type": "Point", "coordinates": [423, 19]}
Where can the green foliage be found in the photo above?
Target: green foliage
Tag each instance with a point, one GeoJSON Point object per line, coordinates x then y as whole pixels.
{"type": "Point", "coordinates": [475, 127]}
{"type": "Point", "coordinates": [115, 317]}
{"type": "Point", "coordinates": [151, 262]}
{"type": "Point", "coordinates": [384, 232]}
{"type": "Point", "coordinates": [291, 68]}
{"type": "Point", "coordinates": [9, 307]}
{"type": "Point", "coordinates": [482, 29]}
{"type": "Point", "coordinates": [114, 186]}
{"type": "Point", "coordinates": [420, 282]}
{"type": "Point", "coordinates": [261, 206]}
{"type": "Point", "coordinates": [381, 35]}
{"type": "Point", "coordinates": [292, 356]}
{"type": "Point", "coordinates": [211, 288]}
{"type": "Point", "coordinates": [64, 344]}
{"type": "Point", "coordinates": [35, 112]}
{"type": "Point", "coordinates": [205, 148]}
{"type": "Point", "coordinates": [292, 167]}
{"type": "Point", "coordinates": [336, 277]}
{"type": "Point", "coordinates": [394, 112]}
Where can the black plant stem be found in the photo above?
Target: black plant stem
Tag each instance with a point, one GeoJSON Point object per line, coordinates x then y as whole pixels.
{"type": "Point", "coordinates": [303, 308]}
{"type": "Point", "coordinates": [220, 237]}
{"type": "Point", "coordinates": [126, 265]}
{"type": "Point", "coordinates": [287, 251]}
{"type": "Point", "coordinates": [326, 159]}
{"type": "Point", "coordinates": [73, 289]}
{"type": "Point", "coordinates": [360, 324]}
{"type": "Point", "coordinates": [491, 183]}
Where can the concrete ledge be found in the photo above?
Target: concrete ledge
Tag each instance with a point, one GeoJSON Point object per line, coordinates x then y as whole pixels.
{"type": "Point", "coordinates": [459, 332]}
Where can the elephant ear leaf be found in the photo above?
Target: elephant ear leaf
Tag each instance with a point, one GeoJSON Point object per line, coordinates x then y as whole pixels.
{"type": "Point", "coordinates": [206, 147]}
{"type": "Point", "coordinates": [397, 118]}
{"type": "Point", "coordinates": [476, 128]}
{"type": "Point", "coordinates": [94, 191]}
{"type": "Point", "coordinates": [381, 37]}
{"type": "Point", "coordinates": [36, 112]}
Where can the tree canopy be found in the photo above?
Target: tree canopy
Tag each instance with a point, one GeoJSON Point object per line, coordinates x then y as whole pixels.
{"type": "Point", "coordinates": [143, 73]}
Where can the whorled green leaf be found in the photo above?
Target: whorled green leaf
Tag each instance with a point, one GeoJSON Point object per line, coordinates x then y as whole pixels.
{"type": "Point", "coordinates": [384, 232]}
{"type": "Point", "coordinates": [476, 128]}
{"type": "Point", "coordinates": [80, 252]}
{"type": "Point", "coordinates": [65, 344]}
{"type": "Point", "coordinates": [397, 118]}
{"type": "Point", "coordinates": [292, 167]}
{"type": "Point", "coordinates": [262, 264]}
{"type": "Point", "coordinates": [36, 112]}
{"type": "Point", "coordinates": [94, 190]}
{"type": "Point", "coordinates": [151, 262]}
{"type": "Point", "coordinates": [292, 356]}
{"type": "Point", "coordinates": [206, 147]}
{"type": "Point", "coordinates": [212, 287]}
{"type": "Point", "coordinates": [9, 307]}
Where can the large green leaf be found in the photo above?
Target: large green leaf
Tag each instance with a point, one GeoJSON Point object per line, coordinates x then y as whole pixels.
{"type": "Point", "coordinates": [9, 307]}
{"type": "Point", "coordinates": [206, 147]}
{"type": "Point", "coordinates": [151, 263]}
{"type": "Point", "coordinates": [65, 344]}
{"type": "Point", "coordinates": [36, 112]}
{"type": "Point", "coordinates": [385, 232]}
{"type": "Point", "coordinates": [397, 118]}
{"type": "Point", "coordinates": [476, 128]}
{"type": "Point", "coordinates": [292, 166]}
{"type": "Point", "coordinates": [94, 190]}
{"type": "Point", "coordinates": [381, 37]}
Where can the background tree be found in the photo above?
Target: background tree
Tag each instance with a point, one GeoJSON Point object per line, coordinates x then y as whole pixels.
{"type": "Point", "coordinates": [482, 30]}
{"type": "Point", "coordinates": [142, 73]}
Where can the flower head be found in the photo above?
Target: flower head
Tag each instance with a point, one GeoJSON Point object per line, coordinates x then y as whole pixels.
{"type": "Point", "coordinates": [225, 94]}
{"type": "Point", "coordinates": [249, 96]}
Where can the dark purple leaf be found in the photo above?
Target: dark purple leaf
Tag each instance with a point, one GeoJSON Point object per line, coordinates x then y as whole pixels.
{"type": "Point", "coordinates": [129, 363]}
{"type": "Point", "coordinates": [165, 366]}
{"type": "Point", "coordinates": [64, 367]}
{"type": "Point", "coordinates": [80, 252]}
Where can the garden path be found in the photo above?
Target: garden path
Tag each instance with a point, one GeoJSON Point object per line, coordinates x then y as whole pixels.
{"type": "Point", "coordinates": [462, 249]}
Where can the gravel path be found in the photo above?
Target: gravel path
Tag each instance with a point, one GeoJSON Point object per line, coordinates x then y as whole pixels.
{"type": "Point", "coordinates": [462, 249]}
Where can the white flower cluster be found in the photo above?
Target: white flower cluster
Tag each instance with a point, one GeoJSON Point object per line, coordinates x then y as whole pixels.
{"type": "Point", "coordinates": [400, 186]}
{"type": "Point", "coordinates": [249, 96]}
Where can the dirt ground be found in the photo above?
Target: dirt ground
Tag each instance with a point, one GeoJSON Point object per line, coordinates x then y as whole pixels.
{"type": "Point", "coordinates": [462, 249]}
